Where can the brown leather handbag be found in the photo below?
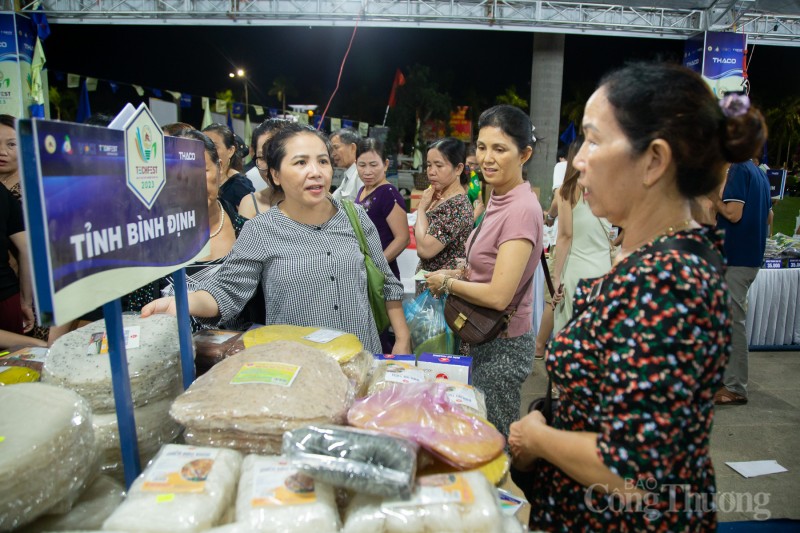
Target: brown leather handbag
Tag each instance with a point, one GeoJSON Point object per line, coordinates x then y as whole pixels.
{"type": "Point", "coordinates": [476, 324]}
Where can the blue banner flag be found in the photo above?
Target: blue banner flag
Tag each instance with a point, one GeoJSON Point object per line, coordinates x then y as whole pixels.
{"type": "Point", "coordinates": [238, 108]}
{"type": "Point", "coordinates": [230, 121]}
{"type": "Point", "coordinates": [186, 100]}
{"type": "Point", "coordinates": [347, 123]}
{"type": "Point", "coordinates": [157, 93]}
{"type": "Point", "coordinates": [569, 134]}
{"type": "Point", "coordinates": [84, 111]}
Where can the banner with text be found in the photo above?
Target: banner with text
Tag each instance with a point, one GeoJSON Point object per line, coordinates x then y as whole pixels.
{"type": "Point", "coordinates": [723, 61]}
{"type": "Point", "coordinates": [99, 225]}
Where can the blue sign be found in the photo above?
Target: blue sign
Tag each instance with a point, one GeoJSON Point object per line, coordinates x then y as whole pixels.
{"type": "Point", "coordinates": [777, 182]}
{"type": "Point", "coordinates": [793, 263]}
{"type": "Point", "coordinates": [693, 52]}
{"type": "Point", "coordinates": [723, 55]}
{"type": "Point", "coordinates": [92, 239]}
{"type": "Point", "coordinates": [773, 264]}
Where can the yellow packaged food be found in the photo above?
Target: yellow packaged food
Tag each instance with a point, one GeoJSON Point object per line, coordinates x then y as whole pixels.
{"type": "Point", "coordinates": [338, 344]}
{"type": "Point", "coordinates": [11, 375]}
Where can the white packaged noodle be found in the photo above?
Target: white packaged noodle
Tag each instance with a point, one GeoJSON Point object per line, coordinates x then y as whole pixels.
{"type": "Point", "coordinates": [274, 496]}
{"type": "Point", "coordinates": [79, 361]}
{"type": "Point", "coordinates": [263, 391]}
{"type": "Point", "coordinates": [467, 397]}
{"type": "Point", "coordinates": [184, 488]}
{"type": "Point", "coordinates": [442, 503]}
{"type": "Point", "coordinates": [359, 460]}
{"type": "Point", "coordinates": [389, 372]}
{"type": "Point", "coordinates": [154, 427]}
{"type": "Point", "coordinates": [90, 511]}
{"type": "Point", "coordinates": [46, 453]}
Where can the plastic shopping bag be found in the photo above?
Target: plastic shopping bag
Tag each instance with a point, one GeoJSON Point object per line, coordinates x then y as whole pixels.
{"type": "Point", "coordinates": [429, 331]}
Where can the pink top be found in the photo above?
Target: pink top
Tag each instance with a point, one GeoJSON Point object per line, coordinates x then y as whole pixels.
{"type": "Point", "coordinates": [514, 215]}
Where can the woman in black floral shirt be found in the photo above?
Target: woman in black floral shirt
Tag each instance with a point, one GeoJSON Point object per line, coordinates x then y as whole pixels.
{"type": "Point", "coordinates": [637, 367]}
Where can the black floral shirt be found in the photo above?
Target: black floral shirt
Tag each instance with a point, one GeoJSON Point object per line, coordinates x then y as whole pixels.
{"type": "Point", "coordinates": [639, 365]}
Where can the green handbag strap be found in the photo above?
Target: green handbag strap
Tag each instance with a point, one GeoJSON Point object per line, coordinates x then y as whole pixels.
{"type": "Point", "coordinates": [350, 210]}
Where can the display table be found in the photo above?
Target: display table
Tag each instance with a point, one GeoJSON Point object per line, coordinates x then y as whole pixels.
{"type": "Point", "coordinates": [773, 320]}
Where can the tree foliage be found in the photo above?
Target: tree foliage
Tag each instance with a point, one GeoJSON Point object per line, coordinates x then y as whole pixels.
{"type": "Point", "coordinates": [510, 97]}
{"type": "Point", "coordinates": [784, 130]}
{"type": "Point", "coordinates": [281, 87]}
{"type": "Point", "coordinates": [420, 99]}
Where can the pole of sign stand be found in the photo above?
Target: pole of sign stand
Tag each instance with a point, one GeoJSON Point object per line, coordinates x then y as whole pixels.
{"type": "Point", "coordinates": [184, 327]}
{"type": "Point", "coordinates": [112, 311]}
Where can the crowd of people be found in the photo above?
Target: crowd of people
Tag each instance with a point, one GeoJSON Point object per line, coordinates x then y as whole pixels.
{"type": "Point", "coordinates": [641, 335]}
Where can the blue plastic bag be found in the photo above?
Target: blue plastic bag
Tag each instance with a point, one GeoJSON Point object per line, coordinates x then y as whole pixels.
{"type": "Point", "coordinates": [429, 330]}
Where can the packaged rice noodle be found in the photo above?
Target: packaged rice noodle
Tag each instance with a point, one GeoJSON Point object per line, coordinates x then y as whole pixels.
{"type": "Point", "coordinates": [275, 496]}
{"type": "Point", "coordinates": [47, 451]}
{"type": "Point", "coordinates": [91, 509]}
{"type": "Point", "coordinates": [256, 395]}
{"type": "Point", "coordinates": [356, 459]}
{"type": "Point", "coordinates": [32, 357]}
{"type": "Point", "coordinates": [345, 348]}
{"type": "Point", "coordinates": [470, 399]}
{"type": "Point", "coordinates": [421, 412]}
{"type": "Point", "coordinates": [445, 503]}
{"type": "Point", "coordinates": [184, 488]}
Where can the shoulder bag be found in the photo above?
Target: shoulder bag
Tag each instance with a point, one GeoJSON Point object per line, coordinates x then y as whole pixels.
{"type": "Point", "coordinates": [375, 276]}
{"type": "Point", "coordinates": [474, 323]}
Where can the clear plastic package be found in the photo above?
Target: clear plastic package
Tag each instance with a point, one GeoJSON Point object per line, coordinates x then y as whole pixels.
{"type": "Point", "coordinates": [421, 412]}
{"type": "Point", "coordinates": [345, 348]}
{"type": "Point", "coordinates": [261, 392]}
{"type": "Point", "coordinates": [387, 372]}
{"type": "Point", "coordinates": [91, 509]}
{"type": "Point", "coordinates": [444, 503]}
{"type": "Point", "coordinates": [275, 496]}
{"type": "Point", "coordinates": [470, 399]}
{"type": "Point", "coordinates": [212, 346]}
{"type": "Point", "coordinates": [79, 361]}
{"type": "Point", "coordinates": [48, 450]}
{"type": "Point", "coordinates": [356, 459]}
{"type": "Point", "coordinates": [184, 488]}
{"type": "Point", "coordinates": [32, 357]}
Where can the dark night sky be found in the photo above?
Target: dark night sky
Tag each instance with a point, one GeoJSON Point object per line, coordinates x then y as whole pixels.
{"type": "Point", "coordinates": [197, 60]}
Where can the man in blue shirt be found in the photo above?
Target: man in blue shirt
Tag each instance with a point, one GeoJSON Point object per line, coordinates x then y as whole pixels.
{"type": "Point", "coordinates": [745, 214]}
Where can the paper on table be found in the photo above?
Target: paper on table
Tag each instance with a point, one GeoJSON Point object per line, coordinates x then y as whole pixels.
{"type": "Point", "coordinates": [757, 468]}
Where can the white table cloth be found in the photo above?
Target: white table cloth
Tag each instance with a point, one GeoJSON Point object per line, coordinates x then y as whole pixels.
{"type": "Point", "coordinates": [772, 314]}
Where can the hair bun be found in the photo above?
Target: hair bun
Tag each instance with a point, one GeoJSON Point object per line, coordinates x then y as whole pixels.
{"type": "Point", "coordinates": [743, 135]}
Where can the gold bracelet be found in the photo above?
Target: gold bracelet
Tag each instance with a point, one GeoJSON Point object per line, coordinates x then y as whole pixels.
{"type": "Point", "coordinates": [449, 285]}
{"type": "Point", "coordinates": [443, 289]}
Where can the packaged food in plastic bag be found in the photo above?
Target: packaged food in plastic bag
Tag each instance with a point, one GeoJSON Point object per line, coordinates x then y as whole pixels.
{"type": "Point", "coordinates": [11, 375]}
{"type": "Point", "coordinates": [91, 509]}
{"type": "Point", "coordinates": [79, 361]}
{"type": "Point", "coordinates": [359, 460]}
{"type": "Point", "coordinates": [47, 450]}
{"type": "Point", "coordinates": [421, 412]}
{"type": "Point", "coordinates": [386, 372]}
{"type": "Point", "coordinates": [429, 330]}
{"type": "Point", "coordinates": [212, 346]}
{"type": "Point", "coordinates": [275, 496]}
{"type": "Point", "coordinates": [470, 399]}
{"type": "Point", "coordinates": [263, 391]}
{"type": "Point", "coordinates": [444, 503]}
{"type": "Point", "coordinates": [32, 357]}
{"type": "Point", "coordinates": [344, 347]}
{"type": "Point", "coordinates": [184, 488]}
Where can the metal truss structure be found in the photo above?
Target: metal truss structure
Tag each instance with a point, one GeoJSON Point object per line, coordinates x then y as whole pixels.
{"type": "Point", "coordinates": [774, 22]}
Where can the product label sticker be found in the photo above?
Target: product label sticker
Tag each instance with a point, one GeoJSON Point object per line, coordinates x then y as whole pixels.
{"type": "Point", "coordinates": [266, 372]}
{"type": "Point", "coordinates": [216, 336]}
{"type": "Point", "coordinates": [279, 484]}
{"type": "Point", "coordinates": [322, 336]}
{"type": "Point", "coordinates": [397, 372]}
{"type": "Point", "coordinates": [437, 489]}
{"type": "Point", "coordinates": [163, 498]}
{"type": "Point", "coordinates": [461, 394]}
{"type": "Point", "coordinates": [98, 342]}
{"type": "Point", "coordinates": [182, 469]}
{"type": "Point", "coordinates": [509, 503]}
{"type": "Point", "coordinates": [34, 354]}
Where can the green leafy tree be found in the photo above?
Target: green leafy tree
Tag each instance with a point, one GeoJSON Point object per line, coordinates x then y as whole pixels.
{"type": "Point", "coordinates": [419, 100]}
{"type": "Point", "coordinates": [281, 87]}
{"type": "Point", "coordinates": [226, 96]}
{"type": "Point", "coordinates": [572, 109]}
{"type": "Point", "coordinates": [784, 129]}
{"type": "Point", "coordinates": [510, 97]}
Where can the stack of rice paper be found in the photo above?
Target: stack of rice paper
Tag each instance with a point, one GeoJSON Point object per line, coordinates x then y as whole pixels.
{"type": "Point", "coordinates": [356, 459]}
{"type": "Point", "coordinates": [345, 348]}
{"type": "Point", "coordinates": [275, 496]}
{"type": "Point", "coordinates": [47, 450]}
{"type": "Point", "coordinates": [249, 400]}
{"type": "Point", "coordinates": [421, 412]}
{"type": "Point", "coordinates": [444, 503]}
{"type": "Point", "coordinates": [184, 489]}
{"type": "Point", "coordinates": [91, 509]}
{"type": "Point", "coordinates": [79, 361]}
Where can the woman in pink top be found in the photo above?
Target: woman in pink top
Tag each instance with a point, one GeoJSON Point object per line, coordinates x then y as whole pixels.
{"type": "Point", "coordinates": [502, 261]}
